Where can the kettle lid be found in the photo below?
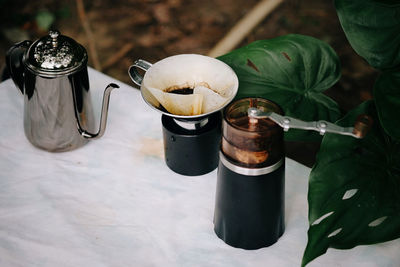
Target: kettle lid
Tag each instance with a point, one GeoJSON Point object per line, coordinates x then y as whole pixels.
{"type": "Point", "coordinates": [55, 53]}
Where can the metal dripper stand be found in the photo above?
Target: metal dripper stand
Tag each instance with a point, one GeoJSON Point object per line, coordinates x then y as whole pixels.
{"type": "Point", "coordinates": [191, 145]}
{"type": "Point", "coordinates": [191, 129]}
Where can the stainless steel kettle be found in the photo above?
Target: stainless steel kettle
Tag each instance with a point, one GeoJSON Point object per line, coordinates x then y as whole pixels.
{"type": "Point", "coordinates": [52, 75]}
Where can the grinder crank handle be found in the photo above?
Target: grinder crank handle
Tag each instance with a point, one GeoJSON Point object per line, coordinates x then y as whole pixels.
{"type": "Point", "coordinates": [360, 129]}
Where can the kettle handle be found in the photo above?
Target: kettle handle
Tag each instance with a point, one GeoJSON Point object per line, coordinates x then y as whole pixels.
{"type": "Point", "coordinates": [134, 73]}
{"type": "Point", "coordinates": [103, 118]}
{"type": "Point", "coordinates": [14, 63]}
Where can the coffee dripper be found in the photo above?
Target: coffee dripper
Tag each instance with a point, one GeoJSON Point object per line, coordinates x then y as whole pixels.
{"type": "Point", "coordinates": [249, 206]}
{"type": "Point", "coordinates": [52, 75]}
{"type": "Point", "coordinates": [191, 142]}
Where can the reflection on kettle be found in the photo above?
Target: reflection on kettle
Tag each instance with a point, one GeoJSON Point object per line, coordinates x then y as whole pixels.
{"type": "Point", "coordinates": [52, 75]}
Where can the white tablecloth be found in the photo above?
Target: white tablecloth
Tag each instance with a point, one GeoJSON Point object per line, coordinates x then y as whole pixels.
{"type": "Point", "coordinates": [114, 202]}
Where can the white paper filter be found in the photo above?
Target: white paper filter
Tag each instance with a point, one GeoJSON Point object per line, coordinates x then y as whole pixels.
{"type": "Point", "coordinates": [214, 83]}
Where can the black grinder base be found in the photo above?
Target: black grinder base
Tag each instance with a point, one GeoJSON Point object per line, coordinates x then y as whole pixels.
{"type": "Point", "coordinates": [192, 151]}
{"type": "Point", "coordinates": [249, 210]}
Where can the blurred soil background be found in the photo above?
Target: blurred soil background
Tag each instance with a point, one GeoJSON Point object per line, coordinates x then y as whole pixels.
{"type": "Point", "coordinates": [124, 31]}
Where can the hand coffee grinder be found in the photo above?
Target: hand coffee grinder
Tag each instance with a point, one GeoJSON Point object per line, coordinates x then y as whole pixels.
{"type": "Point", "coordinates": [249, 206]}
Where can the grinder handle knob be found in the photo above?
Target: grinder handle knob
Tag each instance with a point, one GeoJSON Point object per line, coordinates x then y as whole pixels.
{"type": "Point", "coordinates": [362, 125]}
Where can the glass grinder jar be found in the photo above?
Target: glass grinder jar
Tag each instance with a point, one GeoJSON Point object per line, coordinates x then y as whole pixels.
{"type": "Point", "coordinates": [249, 207]}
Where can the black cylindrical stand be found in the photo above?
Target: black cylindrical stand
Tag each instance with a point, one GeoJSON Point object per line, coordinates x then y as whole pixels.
{"type": "Point", "coordinates": [192, 152]}
{"type": "Point", "coordinates": [249, 209]}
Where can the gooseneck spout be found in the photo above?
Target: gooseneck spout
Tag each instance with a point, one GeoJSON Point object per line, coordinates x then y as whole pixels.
{"type": "Point", "coordinates": [103, 118]}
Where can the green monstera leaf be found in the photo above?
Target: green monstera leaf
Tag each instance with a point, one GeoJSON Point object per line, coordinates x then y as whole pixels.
{"type": "Point", "coordinates": [372, 28]}
{"type": "Point", "coordinates": [354, 189]}
{"type": "Point", "coordinates": [387, 99]}
{"type": "Point", "coordinates": [293, 71]}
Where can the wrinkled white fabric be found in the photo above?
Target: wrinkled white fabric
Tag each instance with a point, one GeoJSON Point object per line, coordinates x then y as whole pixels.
{"type": "Point", "coordinates": [114, 202]}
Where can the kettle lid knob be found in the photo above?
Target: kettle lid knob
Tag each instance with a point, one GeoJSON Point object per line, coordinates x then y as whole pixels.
{"type": "Point", "coordinates": [55, 54]}
{"type": "Point", "coordinates": [53, 35]}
